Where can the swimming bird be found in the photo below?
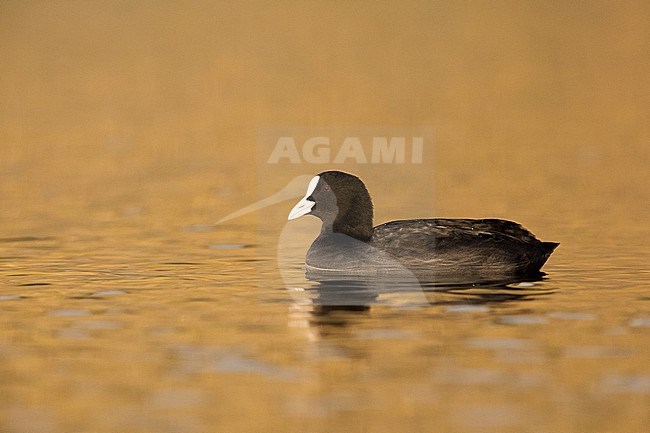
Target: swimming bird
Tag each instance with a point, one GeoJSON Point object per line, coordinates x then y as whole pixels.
{"type": "Point", "coordinates": [441, 248]}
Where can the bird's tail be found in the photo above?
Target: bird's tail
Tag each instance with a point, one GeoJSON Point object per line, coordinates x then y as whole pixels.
{"type": "Point", "coordinates": [537, 259]}
{"type": "Point", "coordinates": [547, 249]}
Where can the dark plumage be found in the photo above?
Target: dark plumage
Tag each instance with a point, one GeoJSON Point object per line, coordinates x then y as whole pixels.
{"type": "Point", "coordinates": [467, 249]}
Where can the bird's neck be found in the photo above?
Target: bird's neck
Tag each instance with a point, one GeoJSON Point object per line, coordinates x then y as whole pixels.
{"type": "Point", "coordinates": [351, 223]}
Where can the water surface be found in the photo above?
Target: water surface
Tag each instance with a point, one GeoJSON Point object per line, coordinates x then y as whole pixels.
{"type": "Point", "coordinates": [127, 130]}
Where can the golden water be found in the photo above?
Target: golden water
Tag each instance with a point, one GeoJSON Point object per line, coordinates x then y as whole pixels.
{"type": "Point", "coordinates": [127, 129]}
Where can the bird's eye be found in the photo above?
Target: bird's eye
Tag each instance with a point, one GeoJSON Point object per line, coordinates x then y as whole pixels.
{"type": "Point", "coordinates": [326, 188]}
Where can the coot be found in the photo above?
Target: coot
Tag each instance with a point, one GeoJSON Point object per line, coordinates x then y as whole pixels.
{"type": "Point", "coordinates": [444, 249]}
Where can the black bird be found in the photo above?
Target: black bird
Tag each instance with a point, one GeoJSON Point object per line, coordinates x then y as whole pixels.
{"type": "Point", "coordinates": [441, 249]}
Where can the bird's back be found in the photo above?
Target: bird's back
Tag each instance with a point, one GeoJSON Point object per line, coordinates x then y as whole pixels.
{"type": "Point", "coordinates": [483, 248]}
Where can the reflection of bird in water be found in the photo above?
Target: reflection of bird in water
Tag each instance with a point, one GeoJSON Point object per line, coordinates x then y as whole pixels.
{"type": "Point", "coordinates": [488, 294]}
{"type": "Point", "coordinates": [447, 250]}
{"type": "Point", "coordinates": [335, 305]}
{"type": "Point", "coordinates": [359, 294]}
